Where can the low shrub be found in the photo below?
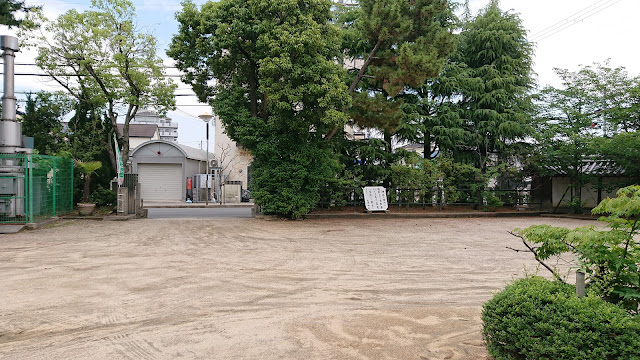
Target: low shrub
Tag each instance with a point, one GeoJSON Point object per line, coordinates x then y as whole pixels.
{"type": "Point", "coordinates": [534, 318]}
{"type": "Point", "coordinates": [104, 197]}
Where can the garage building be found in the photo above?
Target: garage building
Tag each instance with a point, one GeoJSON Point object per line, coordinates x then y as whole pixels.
{"type": "Point", "coordinates": [163, 167]}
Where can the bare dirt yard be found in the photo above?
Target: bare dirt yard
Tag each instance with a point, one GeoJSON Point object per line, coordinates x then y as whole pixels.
{"type": "Point", "coordinates": [256, 289]}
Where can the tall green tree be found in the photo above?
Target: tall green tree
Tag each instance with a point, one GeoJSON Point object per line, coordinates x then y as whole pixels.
{"type": "Point", "coordinates": [269, 70]}
{"type": "Point", "coordinates": [395, 45]}
{"type": "Point", "coordinates": [9, 9]}
{"type": "Point", "coordinates": [614, 94]}
{"type": "Point", "coordinates": [432, 116]}
{"type": "Point", "coordinates": [495, 87]}
{"type": "Point", "coordinates": [594, 114]}
{"type": "Point", "coordinates": [101, 59]}
{"type": "Point", "coordinates": [564, 132]}
{"type": "Point", "coordinates": [42, 120]}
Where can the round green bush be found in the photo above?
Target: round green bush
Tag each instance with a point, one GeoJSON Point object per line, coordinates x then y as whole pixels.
{"type": "Point", "coordinates": [534, 318]}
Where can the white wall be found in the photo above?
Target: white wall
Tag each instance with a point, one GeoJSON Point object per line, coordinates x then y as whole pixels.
{"type": "Point", "coordinates": [589, 192]}
{"type": "Point", "coordinates": [233, 160]}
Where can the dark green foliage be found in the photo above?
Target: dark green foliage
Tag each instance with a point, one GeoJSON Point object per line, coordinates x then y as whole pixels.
{"type": "Point", "coordinates": [8, 9]}
{"type": "Point", "coordinates": [287, 178]}
{"type": "Point", "coordinates": [536, 319]}
{"type": "Point", "coordinates": [494, 83]}
{"type": "Point", "coordinates": [103, 197]}
{"type": "Point", "coordinates": [622, 149]}
{"type": "Point", "coordinates": [42, 120]}
{"type": "Point", "coordinates": [279, 90]}
{"type": "Point", "coordinates": [403, 44]}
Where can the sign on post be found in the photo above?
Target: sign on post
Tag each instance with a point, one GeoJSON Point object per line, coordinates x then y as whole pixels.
{"type": "Point", "coordinates": [119, 161]}
{"type": "Point", "coordinates": [375, 198]}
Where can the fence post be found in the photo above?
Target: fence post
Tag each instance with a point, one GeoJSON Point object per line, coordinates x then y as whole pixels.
{"type": "Point", "coordinates": [580, 291]}
{"type": "Point", "coordinates": [30, 191]}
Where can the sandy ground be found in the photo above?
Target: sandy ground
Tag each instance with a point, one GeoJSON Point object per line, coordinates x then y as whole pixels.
{"type": "Point", "coordinates": [255, 289]}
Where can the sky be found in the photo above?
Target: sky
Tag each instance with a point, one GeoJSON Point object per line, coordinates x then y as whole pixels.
{"type": "Point", "coordinates": [567, 34]}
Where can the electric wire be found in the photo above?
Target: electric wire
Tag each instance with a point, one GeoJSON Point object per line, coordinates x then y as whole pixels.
{"type": "Point", "coordinates": [573, 21]}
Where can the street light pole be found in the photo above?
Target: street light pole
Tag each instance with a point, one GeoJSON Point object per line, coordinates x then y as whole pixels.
{"type": "Point", "coordinates": [206, 117]}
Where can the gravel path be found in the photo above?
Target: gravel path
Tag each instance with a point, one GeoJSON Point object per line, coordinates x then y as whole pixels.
{"type": "Point", "coordinates": [256, 289]}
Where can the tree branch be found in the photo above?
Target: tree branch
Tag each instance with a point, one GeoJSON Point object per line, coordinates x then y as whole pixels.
{"type": "Point", "coordinates": [359, 76]}
{"type": "Point", "coordinates": [535, 255]}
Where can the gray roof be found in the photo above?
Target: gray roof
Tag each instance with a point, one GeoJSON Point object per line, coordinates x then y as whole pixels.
{"type": "Point", "coordinates": [189, 152]}
{"type": "Point", "coordinates": [593, 167]}
{"type": "Point", "coordinates": [194, 153]}
{"type": "Point", "coordinates": [139, 130]}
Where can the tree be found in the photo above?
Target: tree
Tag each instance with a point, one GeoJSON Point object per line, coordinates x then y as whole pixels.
{"type": "Point", "coordinates": [8, 10]}
{"type": "Point", "coordinates": [615, 97]}
{"type": "Point", "coordinates": [609, 257]}
{"type": "Point", "coordinates": [104, 62]}
{"type": "Point", "coordinates": [623, 149]}
{"type": "Point", "coordinates": [494, 92]}
{"type": "Point", "coordinates": [268, 69]}
{"type": "Point", "coordinates": [595, 114]}
{"type": "Point", "coordinates": [564, 132]}
{"type": "Point", "coordinates": [87, 168]}
{"type": "Point", "coordinates": [42, 120]}
{"type": "Point", "coordinates": [397, 45]}
{"type": "Point", "coordinates": [432, 116]}
{"type": "Point", "coordinates": [401, 44]}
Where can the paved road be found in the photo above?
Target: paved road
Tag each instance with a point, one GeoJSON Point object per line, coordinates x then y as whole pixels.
{"type": "Point", "coordinates": [198, 213]}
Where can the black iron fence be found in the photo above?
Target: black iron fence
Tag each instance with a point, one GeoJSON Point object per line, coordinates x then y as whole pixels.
{"type": "Point", "coordinates": [434, 197]}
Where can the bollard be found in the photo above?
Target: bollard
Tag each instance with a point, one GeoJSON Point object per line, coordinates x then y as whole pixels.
{"type": "Point", "coordinates": [580, 284]}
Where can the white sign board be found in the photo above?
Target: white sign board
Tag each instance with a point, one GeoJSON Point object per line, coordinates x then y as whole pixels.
{"type": "Point", "coordinates": [375, 198]}
{"type": "Point", "coordinates": [204, 180]}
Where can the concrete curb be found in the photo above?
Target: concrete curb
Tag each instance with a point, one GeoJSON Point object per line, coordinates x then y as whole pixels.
{"type": "Point", "coordinates": [577, 217]}
{"type": "Point", "coordinates": [45, 222]}
{"type": "Point", "coordinates": [391, 215]}
{"type": "Point", "coordinates": [198, 206]}
{"type": "Point", "coordinates": [101, 218]}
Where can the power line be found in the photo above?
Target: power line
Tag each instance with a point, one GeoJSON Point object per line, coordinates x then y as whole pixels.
{"type": "Point", "coordinates": [74, 75]}
{"type": "Point", "coordinates": [563, 21]}
{"type": "Point", "coordinates": [34, 64]}
{"type": "Point", "coordinates": [574, 19]}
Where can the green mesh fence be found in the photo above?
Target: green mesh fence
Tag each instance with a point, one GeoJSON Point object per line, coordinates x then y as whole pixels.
{"type": "Point", "coordinates": [34, 187]}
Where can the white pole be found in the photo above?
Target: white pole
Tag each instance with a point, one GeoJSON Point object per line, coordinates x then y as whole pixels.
{"type": "Point", "coordinates": [206, 117]}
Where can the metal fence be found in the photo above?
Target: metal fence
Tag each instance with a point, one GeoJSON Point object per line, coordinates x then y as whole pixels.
{"type": "Point", "coordinates": [34, 187]}
{"type": "Point", "coordinates": [430, 197]}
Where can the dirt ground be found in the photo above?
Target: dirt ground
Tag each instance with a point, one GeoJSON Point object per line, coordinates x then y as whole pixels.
{"type": "Point", "coordinates": [256, 289]}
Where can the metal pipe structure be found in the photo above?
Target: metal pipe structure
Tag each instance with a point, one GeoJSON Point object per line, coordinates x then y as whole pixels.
{"type": "Point", "coordinates": [12, 180]}
{"type": "Point", "coordinates": [10, 129]}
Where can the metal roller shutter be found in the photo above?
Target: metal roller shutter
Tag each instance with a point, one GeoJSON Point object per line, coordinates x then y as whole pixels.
{"type": "Point", "coordinates": [160, 181]}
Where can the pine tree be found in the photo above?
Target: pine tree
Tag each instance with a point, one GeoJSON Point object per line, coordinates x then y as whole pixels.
{"type": "Point", "coordinates": [495, 88]}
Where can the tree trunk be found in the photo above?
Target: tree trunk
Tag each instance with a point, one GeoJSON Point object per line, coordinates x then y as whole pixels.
{"type": "Point", "coordinates": [427, 145]}
{"type": "Point", "coordinates": [359, 76]}
{"type": "Point", "coordinates": [85, 190]}
{"type": "Point", "coordinates": [253, 90]}
{"type": "Point", "coordinates": [388, 138]}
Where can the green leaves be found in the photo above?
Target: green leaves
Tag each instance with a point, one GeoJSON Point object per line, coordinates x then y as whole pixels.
{"type": "Point", "coordinates": [278, 89]}
{"type": "Point", "coordinates": [88, 167]}
{"type": "Point", "coordinates": [609, 257]}
{"type": "Point", "coordinates": [101, 59]}
{"type": "Point", "coordinates": [534, 318]}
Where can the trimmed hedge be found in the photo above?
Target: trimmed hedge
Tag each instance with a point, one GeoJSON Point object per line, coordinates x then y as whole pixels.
{"type": "Point", "coordinates": [535, 319]}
